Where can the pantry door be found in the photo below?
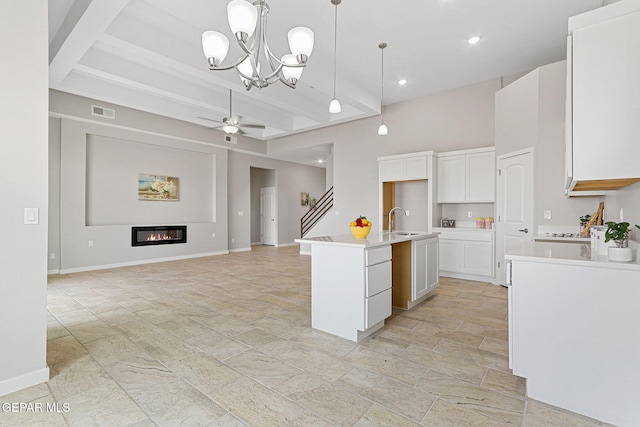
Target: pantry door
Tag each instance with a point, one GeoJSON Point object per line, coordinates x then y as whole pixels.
{"type": "Point", "coordinates": [514, 201]}
{"type": "Point", "coordinates": [268, 210]}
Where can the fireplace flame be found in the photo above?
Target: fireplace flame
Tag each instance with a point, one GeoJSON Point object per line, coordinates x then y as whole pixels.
{"type": "Point", "coordinates": [158, 236]}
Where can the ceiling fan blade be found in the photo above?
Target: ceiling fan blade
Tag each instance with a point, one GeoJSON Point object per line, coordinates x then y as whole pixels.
{"type": "Point", "coordinates": [249, 125]}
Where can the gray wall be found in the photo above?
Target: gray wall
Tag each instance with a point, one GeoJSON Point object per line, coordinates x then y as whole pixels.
{"type": "Point", "coordinates": [95, 163]}
{"type": "Point", "coordinates": [23, 172]}
{"type": "Point", "coordinates": [290, 180]}
{"type": "Point", "coordinates": [531, 113]}
{"type": "Point", "coordinates": [453, 120]}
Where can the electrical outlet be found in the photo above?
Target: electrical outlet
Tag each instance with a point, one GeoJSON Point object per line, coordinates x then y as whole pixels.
{"type": "Point", "coordinates": [233, 240]}
{"type": "Point", "coordinates": [621, 214]}
{"type": "Point", "coordinates": [240, 213]}
{"type": "Point", "coordinates": [52, 255]}
{"type": "Point", "coordinates": [547, 214]}
{"type": "Point", "coordinates": [90, 243]}
{"type": "Point", "coordinates": [469, 214]}
{"type": "Point", "coordinates": [213, 235]}
{"type": "Point", "coordinates": [337, 213]}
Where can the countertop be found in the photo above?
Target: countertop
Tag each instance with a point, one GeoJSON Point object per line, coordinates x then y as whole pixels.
{"type": "Point", "coordinates": [568, 254]}
{"type": "Point", "coordinates": [372, 240]}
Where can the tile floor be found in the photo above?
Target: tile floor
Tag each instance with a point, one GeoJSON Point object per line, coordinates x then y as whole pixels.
{"type": "Point", "coordinates": [226, 341]}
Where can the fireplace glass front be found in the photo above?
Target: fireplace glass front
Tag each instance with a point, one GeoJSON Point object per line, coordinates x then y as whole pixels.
{"type": "Point", "coordinates": [158, 235]}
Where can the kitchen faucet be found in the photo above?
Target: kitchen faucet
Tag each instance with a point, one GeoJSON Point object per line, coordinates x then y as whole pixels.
{"type": "Point", "coordinates": [391, 212]}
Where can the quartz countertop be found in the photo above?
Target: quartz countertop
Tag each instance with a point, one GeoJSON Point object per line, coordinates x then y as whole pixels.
{"type": "Point", "coordinates": [568, 254]}
{"type": "Point", "coordinates": [372, 240]}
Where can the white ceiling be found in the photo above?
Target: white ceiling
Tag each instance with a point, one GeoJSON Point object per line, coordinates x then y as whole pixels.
{"type": "Point", "coordinates": [146, 54]}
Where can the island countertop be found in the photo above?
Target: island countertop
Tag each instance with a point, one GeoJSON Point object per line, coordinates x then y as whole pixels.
{"type": "Point", "coordinates": [568, 254]}
{"type": "Point", "coordinates": [372, 240]}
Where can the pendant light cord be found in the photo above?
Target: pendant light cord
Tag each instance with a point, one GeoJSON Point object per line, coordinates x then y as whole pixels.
{"type": "Point", "coordinates": [335, 48]}
{"type": "Point", "coordinates": [382, 46]}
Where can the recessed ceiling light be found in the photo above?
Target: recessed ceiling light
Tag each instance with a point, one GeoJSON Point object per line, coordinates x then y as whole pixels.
{"type": "Point", "coordinates": [402, 82]}
{"type": "Point", "coordinates": [474, 40]}
{"type": "Point", "coordinates": [319, 160]}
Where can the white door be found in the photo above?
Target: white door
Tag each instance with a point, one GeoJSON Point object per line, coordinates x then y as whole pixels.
{"type": "Point", "coordinates": [514, 205]}
{"type": "Point", "coordinates": [268, 211]}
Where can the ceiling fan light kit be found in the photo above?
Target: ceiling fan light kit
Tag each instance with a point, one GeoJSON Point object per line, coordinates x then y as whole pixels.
{"type": "Point", "coordinates": [231, 125]}
{"type": "Point", "coordinates": [248, 23]}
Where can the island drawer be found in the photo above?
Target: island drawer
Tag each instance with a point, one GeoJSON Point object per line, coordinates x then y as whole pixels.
{"type": "Point", "coordinates": [377, 255]}
{"type": "Point", "coordinates": [377, 308]}
{"type": "Point", "coordinates": [378, 278]}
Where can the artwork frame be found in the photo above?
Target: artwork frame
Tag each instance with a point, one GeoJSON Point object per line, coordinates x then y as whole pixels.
{"type": "Point", "coordinates": [158, 188]}
{"type": "Point", "coordinates": [304, 199]}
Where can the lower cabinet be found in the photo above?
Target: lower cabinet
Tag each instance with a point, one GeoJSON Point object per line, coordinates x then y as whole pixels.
{"type": "Point", "coordinates": [425, 277]}
{"type": "Point", "coordinates": [415, 271]}
{"type": "Point", "coordinates": [467, 255]}
{"type": "Point", "coordinates": [350, 289]}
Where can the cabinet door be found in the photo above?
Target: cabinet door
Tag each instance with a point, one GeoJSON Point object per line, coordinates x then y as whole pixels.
{"type": "Point", "coordinates": [450, 258]}
{"type": "Point", "coordinates": [425, 277]}
{"type": "Point", "coordinates": [480, 177]}
{"type": "Point", "coordinates": [477, 258]}
{"type": "Point", "coordinates": [392, 170]}
{"type": "Point", "coordinates": [606, 105]}
{"type": "Point", "coordinates": [451, 179]}
{"type": "Point", "coordinates": [415, 167]}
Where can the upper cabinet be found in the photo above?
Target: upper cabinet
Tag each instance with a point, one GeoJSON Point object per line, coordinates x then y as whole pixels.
{"type": "Point", "coordinates": [404, 167]}
{"type": "Point", "coordinates": [467, 176]}
{"type": "Point", "coordinates": [603, 105]}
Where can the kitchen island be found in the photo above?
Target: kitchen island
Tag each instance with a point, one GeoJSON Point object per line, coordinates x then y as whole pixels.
{"type": "Point", "coordinates": [354, 281]}
{"type": "Point", "coordinates": [573, 329]}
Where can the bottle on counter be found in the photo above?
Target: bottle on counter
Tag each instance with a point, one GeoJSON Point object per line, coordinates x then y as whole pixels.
{"type": "Point", "coordinates": [479, 222]}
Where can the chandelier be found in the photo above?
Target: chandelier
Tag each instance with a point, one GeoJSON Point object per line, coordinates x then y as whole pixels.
{"type": "Point", "coordinates": [248, 22]}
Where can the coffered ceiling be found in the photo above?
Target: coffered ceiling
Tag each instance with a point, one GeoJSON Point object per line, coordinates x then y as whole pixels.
{"type": "Point", "coordinates": [146, 54]}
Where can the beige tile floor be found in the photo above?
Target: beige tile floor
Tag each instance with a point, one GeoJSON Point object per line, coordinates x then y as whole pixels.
{"type": "Point", "coordinates": [226, 341]}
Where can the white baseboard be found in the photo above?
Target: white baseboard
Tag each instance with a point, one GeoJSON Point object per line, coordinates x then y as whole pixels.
{"type": "Point", "coordinates": [12, 385]}
{"type": "Point", "coordinates": [282, 245]}
{"type": "Point", "coordinates": [239, 250]}
{"type": "Point", "coordinates": [54, 271]}
{"type": "Point", "coordinates": [305, 252]}
{"type": "Point", "coordinates": [466, 276]}
{"type": "Point", "coordinates": [140, 262]}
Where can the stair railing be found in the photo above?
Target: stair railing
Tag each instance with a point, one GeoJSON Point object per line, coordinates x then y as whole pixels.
{"type": "Point", "coordinates": [316, 212]}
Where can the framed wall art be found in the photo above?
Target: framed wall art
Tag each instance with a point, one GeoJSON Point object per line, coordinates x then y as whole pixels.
{"type": "Point", "coordinates": [158, 187]}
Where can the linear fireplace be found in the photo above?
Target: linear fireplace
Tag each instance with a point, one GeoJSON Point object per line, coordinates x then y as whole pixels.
{"type": "Point", "coordinates": [158, 235]}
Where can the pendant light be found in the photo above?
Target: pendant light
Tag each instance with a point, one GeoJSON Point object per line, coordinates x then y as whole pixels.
{"type": "Point", "coordinates": [334, 106]}
{"type": "Point", "coordinates": [382, 129]}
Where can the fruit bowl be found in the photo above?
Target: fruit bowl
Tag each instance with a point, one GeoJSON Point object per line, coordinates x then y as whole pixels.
{"type": "Point", "coordinates": [360, 232]}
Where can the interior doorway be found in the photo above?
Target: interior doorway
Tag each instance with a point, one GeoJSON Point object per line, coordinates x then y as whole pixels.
{"type": "Point", "coordinates": [262, 178]}
{"type": "Point", "coordinates": [514, 205]}
{"type": "Point", "coordinates": [268, 216]}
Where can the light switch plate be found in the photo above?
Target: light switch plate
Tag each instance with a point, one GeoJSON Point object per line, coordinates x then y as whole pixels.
{"type": "Point", "coordinates": [547, 214]}
{"type": "Point", "coordinates": [31, 216]}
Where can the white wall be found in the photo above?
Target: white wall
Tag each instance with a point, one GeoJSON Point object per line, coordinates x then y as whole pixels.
{"type": "Point", "coordinates": [530, 112]}
{"type": "Point", "coordinates": [453, 120]}
{"type": "Point", "coordinates": [24, 173]}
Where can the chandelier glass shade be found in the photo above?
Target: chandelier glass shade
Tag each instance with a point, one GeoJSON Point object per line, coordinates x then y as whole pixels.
{"type": "Point", "coordinates": [248, 23]}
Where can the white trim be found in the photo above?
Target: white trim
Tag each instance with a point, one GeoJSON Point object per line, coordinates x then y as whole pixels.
{"type": "Point", "coordinates": [23, 381]}
{"type": "Point", "coordinates": [305, 252]}
{"type": "Point", "coordinates": [239, 250]}
{"type": "Point", "coordinates": [467, 276]}
{"type": "Point", "coordinates": [54, 271]}
{"type": "Point", "coordinates": [144, 261]}
{"type": "Point", "coordinates": [412, 154]}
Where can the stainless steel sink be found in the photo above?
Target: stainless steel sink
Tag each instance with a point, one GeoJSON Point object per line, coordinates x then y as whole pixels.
{"type": "Point", "coordinates": [404, 233]}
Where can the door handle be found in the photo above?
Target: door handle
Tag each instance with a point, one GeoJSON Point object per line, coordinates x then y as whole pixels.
{"type": "Point", "coordinates": [524, 230]}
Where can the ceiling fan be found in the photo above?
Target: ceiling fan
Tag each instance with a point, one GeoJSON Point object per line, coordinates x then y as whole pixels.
{"type": "Point", "coordinates": [231, 124]}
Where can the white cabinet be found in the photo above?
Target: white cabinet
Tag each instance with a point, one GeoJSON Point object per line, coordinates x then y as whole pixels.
{"type": "Point", "coordinates": [425, 274]}
{"type": "Point", "coordinates": [466, 176]}
{"type": "Point", "coordinates": [350, 289]}
{"type": "Point", "coordinates": [467, 254]}
{"type": "Point", "coordinates": [574, 336]}
{"type": "Point", "coordinates": [404, 168]}
{"type": "Point", "coordinates": [604, 108]}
